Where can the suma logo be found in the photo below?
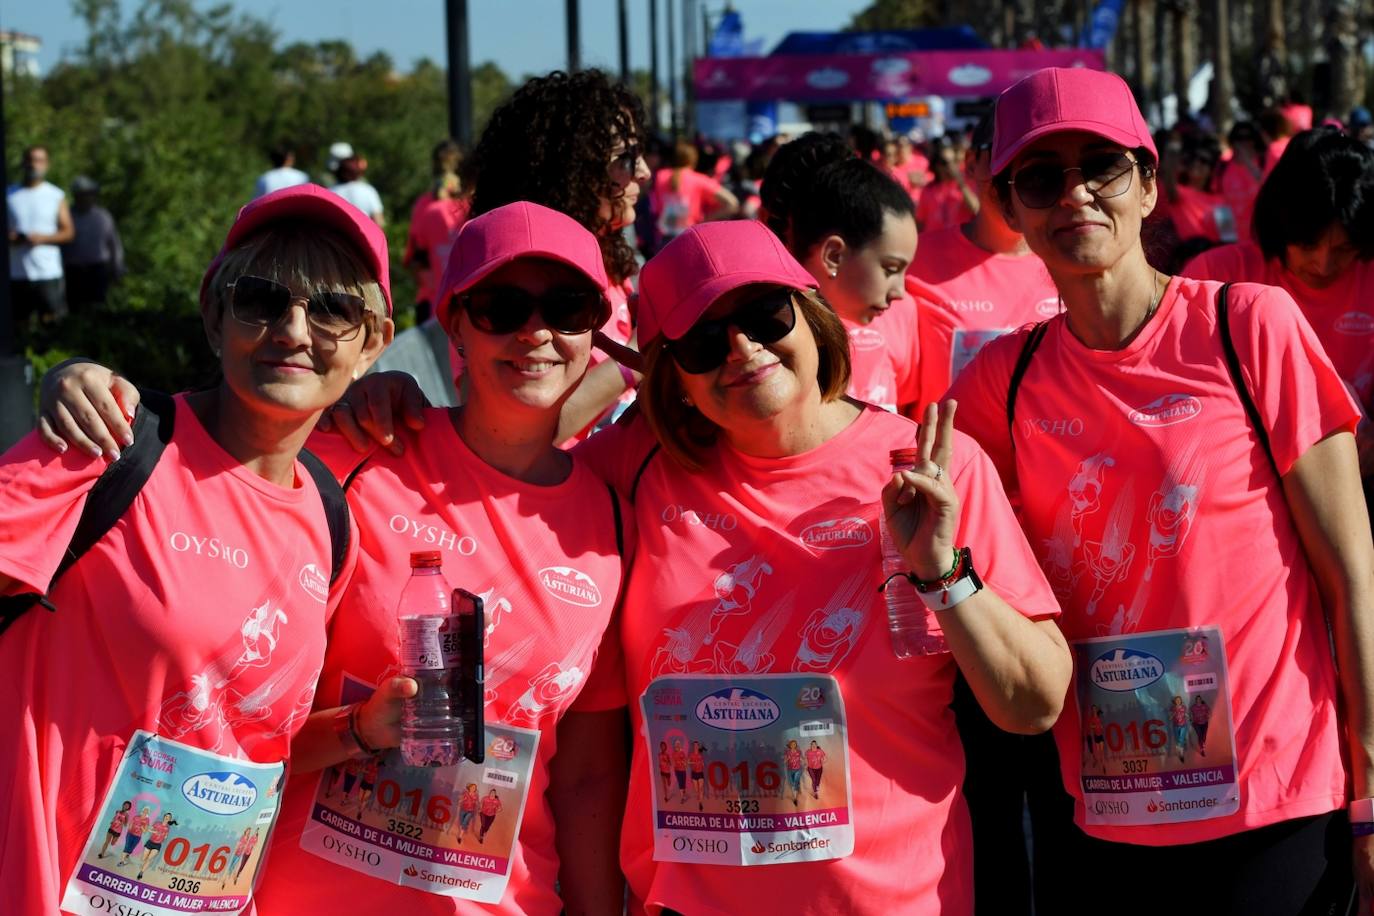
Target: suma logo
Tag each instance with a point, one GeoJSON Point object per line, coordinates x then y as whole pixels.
{"type": "Point", "coordinates": [1356, 324]}
{"type": "Point", "coordinates": [220, 793]}
{"type": "Point", "coordinates": [1166, 411]}
{"type": "Point", "coordinates": [1123, 670]}
{"type": "Point", "coordinates": [315, 583]}
{"type": "Point", "coordinates": [837, 534]}
{"type": "Point", "coordinates": [866, 339]}
{"type": "Point", "coordinates": [737, 709]}
{"type": "Point", "coordinates": [570, 585]}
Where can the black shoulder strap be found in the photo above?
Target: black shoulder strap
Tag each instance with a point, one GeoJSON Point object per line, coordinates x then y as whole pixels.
{"type": "Point", "coordinates": [111, 496]}
{"type": "Point", "coordinates": [1228, 348]}
{"type": "Point", "coordinates": [619, 522]}
{"type": "Point", "coordinates": [644, 466]}
{"type": "Point", "coordinates": [1023, 362]}
{"type": "Point", "coordinates": [335, 510]}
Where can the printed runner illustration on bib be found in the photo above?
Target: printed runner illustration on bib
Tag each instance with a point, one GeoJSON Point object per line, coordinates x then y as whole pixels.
{"type": "Point", "coordinates": [1158, 741]}
{"type": "Point", "coordinates": [445, 830]}
{"type": "Point", "coordinates": [203, 858]}
{"type": "Point", "coordinates": [760, 769]}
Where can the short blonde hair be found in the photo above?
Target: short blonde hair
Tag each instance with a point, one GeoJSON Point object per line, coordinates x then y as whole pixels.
{"type": "Point", "coordinates": [683, 432]}
{"type": "Point", "coordinates": [304, 256]}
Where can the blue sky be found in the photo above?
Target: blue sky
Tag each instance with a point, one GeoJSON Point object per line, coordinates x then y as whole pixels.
{"type": "Point", "coordinates": [501, 29]}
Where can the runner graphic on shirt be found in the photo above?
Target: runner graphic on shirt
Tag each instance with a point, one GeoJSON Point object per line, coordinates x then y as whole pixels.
{"type": "Point", "coordinates": [1085, 490]}
{"type": "Point", "coordinates": [1109, 560]}
{"type": "Point", "coordinates": [551, 686]}
{"type": "Point", "coordinates": [506, 663]}
{"type": "Point", "coordinates": [833, 630]}
{"type": "Point", "coordinates": [1058, 563]}
{"type": "Point", "coordinates": [735, 590]}
{"type": "Point", "coordinates": [752, 655]}
{"type": "Point", "coordinates": [117, 825]}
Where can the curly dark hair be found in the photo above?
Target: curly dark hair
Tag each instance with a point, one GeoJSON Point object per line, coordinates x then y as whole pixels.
{"type": "Point", "coordinates": [552, 144]}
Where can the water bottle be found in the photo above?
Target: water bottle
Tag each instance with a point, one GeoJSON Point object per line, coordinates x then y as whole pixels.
{"type": "Point", "coordinates": [431, 729]}
{"type": "Point", "coordinates": [914, 629]}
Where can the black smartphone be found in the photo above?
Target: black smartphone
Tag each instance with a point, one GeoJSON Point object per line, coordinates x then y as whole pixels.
{"type": "Point", "coordinates": [472, 624]}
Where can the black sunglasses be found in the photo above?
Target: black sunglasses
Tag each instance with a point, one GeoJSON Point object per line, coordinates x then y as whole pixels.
{"type": "Point", "coordinates": [1105, 175]}
{"type": "Point", "coordinates": [565, 309]}
{"type": "Point", "coordinates": [260, 303]}
{"type": "Point", "coordinates": [764, 319]}
{"type": "Point", "coordinates": [628, 159]}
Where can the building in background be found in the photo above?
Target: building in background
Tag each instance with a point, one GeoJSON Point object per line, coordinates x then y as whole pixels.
{"type": "Point", "coordinates": [19, 53]}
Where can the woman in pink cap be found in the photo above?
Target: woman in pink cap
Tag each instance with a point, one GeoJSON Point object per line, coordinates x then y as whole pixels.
{"type": "Point", "coordinates": [194, 628]}
{"type": "Point", "coordinates": [754, 613]}
{"type": "Point", "coordinates": [540, 539]}
{"type": "Point", "coordinates": [854, 230]}
{"type": "Point", "coordinates": [1186, 472]}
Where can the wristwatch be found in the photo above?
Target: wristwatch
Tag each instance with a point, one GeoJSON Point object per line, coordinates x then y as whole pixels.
{"type": "Point", "coordinates": [959, 583]}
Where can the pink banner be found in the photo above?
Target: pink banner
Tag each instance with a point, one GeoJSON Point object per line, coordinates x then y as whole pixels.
{"type": "Point", "coordinates": [878, 77]}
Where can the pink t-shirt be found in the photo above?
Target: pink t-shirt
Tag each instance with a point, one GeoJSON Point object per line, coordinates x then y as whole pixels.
{"type": "Point", "coordinates": [241, 847]}
{"type": "Point", "coordinates": [815, 758]}
{"type": "Point", "coordinates": [207, 596]}
{"type": "Point", "coordinates": [1148, 480]}
{"type": "Point", "coordinates": [1239, 188]}
{"type": "Point", "coordinates": [159, 832]}
{"type": "Point", "coordinates": [512, 543]}
{"type": "Point", "coordinates": [468, 802]}
{"type": "Point", "coordinates": [1194, 214]}
{"type": "Point", "coordinates": [884, 357]}
{"type": "Point", "coordinates": [139, 824]}
{"type": "Point", "coordinates": [942, 205]}
{"type": "Point", "coordinates": [119, 821]}
{"type": "Point", "coordinates": [966, 296]}
{"type": "Point", "coordinates": [1342, 314]}
{"type": "Point", "coordinates": [793, 758]}
{"type": "Point", "coordinates": [490, 805]}
{"type": "Point", "coordinates": [800, 603]}
{"type": "Point", "coordinates": [913, 175]}
{"type": "Point", "coordinates": [677, 209]}
{"type": "Point", "coordinates": [433, 229]}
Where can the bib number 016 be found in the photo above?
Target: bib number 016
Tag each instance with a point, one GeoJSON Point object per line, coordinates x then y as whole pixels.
{"type": "Point", "coordinates": [764, 776]}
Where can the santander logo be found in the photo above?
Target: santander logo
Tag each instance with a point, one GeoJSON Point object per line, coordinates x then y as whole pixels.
{"type": "Point", "coordinates": [412, 872]}
{"type": "Point", "coordinates": [1355, 324]}
{"type": "Point", "coordinates": [837, 534]}
{"type": "Point", "coordinates": [866, 339]}
{"type": "Point", "coordinates": [1166, 411]}
{"type": "Point", "coordinates": [758, 848]}
{"type": "Point", "coordinates": [570, 585]}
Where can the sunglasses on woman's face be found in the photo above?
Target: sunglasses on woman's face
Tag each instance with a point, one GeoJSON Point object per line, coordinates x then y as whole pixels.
{"type": "Point", "coordinates": [764, 319]}
{"type": "Point", "coordinates": [565, 309]}
{"type": "Point", "coordinates": [261, 303]}
{"type": "Point", "coordinates": [1105, 175]}
{"type": "Point", "coordinates": [628, 159]}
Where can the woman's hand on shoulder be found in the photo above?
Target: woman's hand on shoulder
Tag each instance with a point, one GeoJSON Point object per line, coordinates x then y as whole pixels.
{"type": "Point", "coordinates": [366, 415]}
{"type": "Point", "coordinates": [84, 404]}
{"type": "Point", "coordinates": [921, 506]}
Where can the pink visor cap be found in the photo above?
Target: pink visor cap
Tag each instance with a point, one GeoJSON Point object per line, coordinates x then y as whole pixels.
{"type": "Point", "coordinates": [518, 230]}
{"type": "Point", "coordinates": [311, 203]}
{"type": "Point", "coordinates": [1060, 99]}
{"type": "Point", "coordinates": [678, 284]}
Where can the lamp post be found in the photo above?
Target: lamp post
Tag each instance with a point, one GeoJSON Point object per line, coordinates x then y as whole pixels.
{"type": "Point", "coordinates": [459, 73]}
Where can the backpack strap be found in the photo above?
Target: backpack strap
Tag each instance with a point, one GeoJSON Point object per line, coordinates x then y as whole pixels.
{"type": "Point", "coordinates": [619, 522]}
{"type": "Point", "coordinates": [335, 510]}
{"type": "Point", "coordinates": [644, 466]}
{"type": "Point", "coordinates": [1018, 373]}
{"type": "Point", "coordinates": [1228, 349]}
{"type": "Point", "coordinates": [111, 496]}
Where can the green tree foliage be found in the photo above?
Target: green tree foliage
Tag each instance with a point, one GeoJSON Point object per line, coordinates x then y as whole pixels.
{"type": "Point", "coordinates": [896, 14]}
{"type": "Point", "coordinates": [172, 108]}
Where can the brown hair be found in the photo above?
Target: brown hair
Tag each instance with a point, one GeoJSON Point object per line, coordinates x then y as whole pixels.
{"type": "Point", "coordinates": [684, 157]}
{"type": "Point", "coordinates": [683, 432]}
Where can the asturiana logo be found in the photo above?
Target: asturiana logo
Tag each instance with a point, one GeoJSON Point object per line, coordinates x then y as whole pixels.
{"type": "Point", "coordinates": [1166, 411]}
{"type": "Point", "coordinates": [866, 339]}
{"type": "Point", "coordinates": [570, 585]}
{"type": "Point", "coordinates": [1356, 324]}
{"type": "Point", "coordinates": [1124, 670]}
{"type": "Point", "coordinates": [315, 583]}
{"type": "Point", "coordinates": [837, 534]}
{"type": "Point", "coordinates": [220, 793]}
{"type": "Point", "coordinates": [737, 709]}
{"type": "Point", "coordinates": [1048, 308]}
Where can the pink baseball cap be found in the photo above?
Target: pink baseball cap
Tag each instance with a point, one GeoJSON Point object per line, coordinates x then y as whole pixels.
{"type": "Point", "coordinates": [1060, 99]}
{"type": "Point", "coordinates": [518, 230]}
{"type": "Point", "coordinates": [311, 203]}
{"type": "Point", "coordinates": [678, 284]}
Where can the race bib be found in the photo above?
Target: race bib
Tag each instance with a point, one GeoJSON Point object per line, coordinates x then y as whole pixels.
{"type": "Point", "coordinates": [748, 770]}
{"type": "Point", "coordinates": [181, 830]}
{"type": "Point", "coordinates": [445, 830]}
{"type": "Point", "coordinates": [967, 343]}
{"type": "Point", "coordinates": [1155, 717]}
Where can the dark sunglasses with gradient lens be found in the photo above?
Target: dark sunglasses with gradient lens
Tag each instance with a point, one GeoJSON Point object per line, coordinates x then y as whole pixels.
{"type": "Point", "coordinates": [1105, 175]}
{"type": "Point", "coordinates": [565, 309]}
{"type": "Point", "coordinates": [259, 302]}
{"type": "Point", "coordinates": [763, 319]}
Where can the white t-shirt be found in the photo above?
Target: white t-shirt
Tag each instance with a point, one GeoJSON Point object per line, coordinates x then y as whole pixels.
{"type": "Point", "coordinates": [276, 179]}
{"type": "Point", "coordinates": [35, 210]}
{"type": "Point", "coordinates": [361, 195]}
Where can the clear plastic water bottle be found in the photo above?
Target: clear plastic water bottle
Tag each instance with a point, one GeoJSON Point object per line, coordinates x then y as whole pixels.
{"type": "Point", "coordinates": [914, 629]}
{"type": "Point", "coordinates": [431, 729]}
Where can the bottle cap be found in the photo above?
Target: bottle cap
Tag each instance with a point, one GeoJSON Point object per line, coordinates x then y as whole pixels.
{"type": "Point", "coordinates": [904, 457]}
{"type": "Point", "coordinates": [425, 559]}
